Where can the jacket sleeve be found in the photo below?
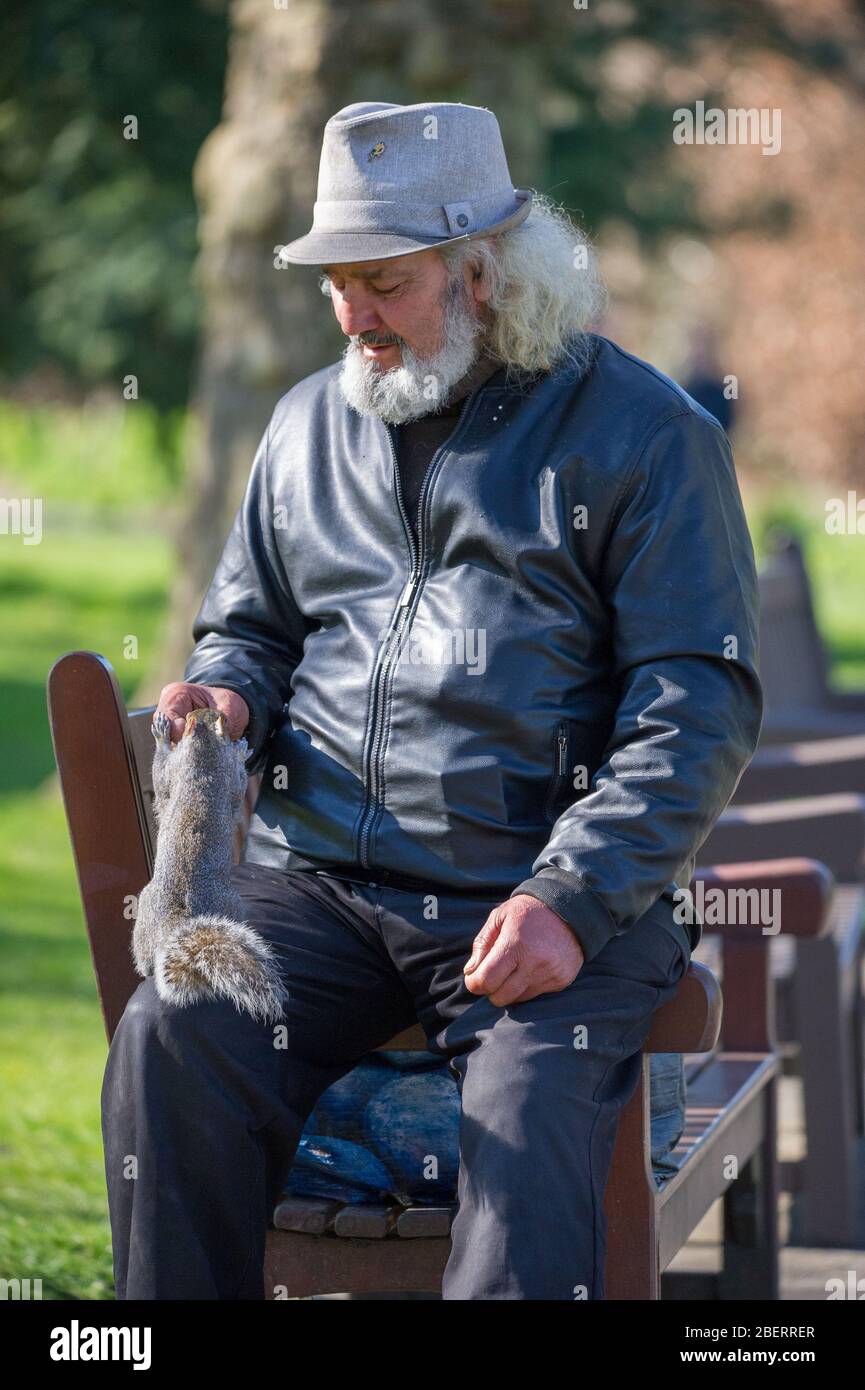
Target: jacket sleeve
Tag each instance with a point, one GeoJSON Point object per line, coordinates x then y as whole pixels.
{"type": "Point", "coordinates": [249, 631]}
{"type": "Point", "coordinates": [679, 580]}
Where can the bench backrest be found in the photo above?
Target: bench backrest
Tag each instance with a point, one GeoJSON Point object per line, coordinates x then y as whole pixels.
{"type": "Point", "coordinates": [793, 664]}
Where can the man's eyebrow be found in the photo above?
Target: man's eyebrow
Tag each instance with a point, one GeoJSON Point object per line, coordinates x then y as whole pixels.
{"type": "Point", "coordinates": [369, 274]}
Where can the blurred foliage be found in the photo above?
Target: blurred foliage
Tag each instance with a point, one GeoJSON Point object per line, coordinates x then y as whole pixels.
{"type": "Point", "coordinates": [100, 454]}
{"type": "Point", "coordinates": [610, 134]}
{"type": "Point", "coordinates": [98, 232]}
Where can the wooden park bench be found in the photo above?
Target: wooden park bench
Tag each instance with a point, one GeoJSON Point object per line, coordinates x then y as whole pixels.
{"type": "Point", "coordinates": [804, 793]}
{"type": "Point", "coordinates": [727, 1150]}
{"type": "Point", "coordinates": [800, 701]}
{"type": "Point", "coordinates": [819, 992]}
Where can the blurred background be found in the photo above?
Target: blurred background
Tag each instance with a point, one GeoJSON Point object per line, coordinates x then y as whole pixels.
{"type": "Point", "coordinates": [153, 158]}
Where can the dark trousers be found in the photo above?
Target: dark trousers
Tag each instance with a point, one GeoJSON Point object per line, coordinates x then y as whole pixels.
{"type": "Point", "coordinates": [202, 1108]}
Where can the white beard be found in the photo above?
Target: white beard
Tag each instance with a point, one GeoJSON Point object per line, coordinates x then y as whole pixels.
{"type": "Point", "coordinates": [419, 384]}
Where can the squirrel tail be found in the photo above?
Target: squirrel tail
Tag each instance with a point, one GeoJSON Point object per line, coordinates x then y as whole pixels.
{"type": "Point", "coordinates": [211, 957]}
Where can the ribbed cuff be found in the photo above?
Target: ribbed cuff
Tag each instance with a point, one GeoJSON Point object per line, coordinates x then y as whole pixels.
{"type": "Point", "coordinates": [577, 905]}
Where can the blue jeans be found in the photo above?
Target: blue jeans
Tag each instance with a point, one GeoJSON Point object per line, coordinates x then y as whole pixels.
{"type": "Point", "coordinates": [667, 1092]}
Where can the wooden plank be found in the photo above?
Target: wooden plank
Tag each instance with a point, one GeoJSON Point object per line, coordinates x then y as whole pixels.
{"type": "Point", "coordinates": [830, 829]}
{"type": "Point", "coordinates": [828, 1013]}
{"type": "Point", "coordinates": [105, 814]}
{"type": "Point", "coordinates": [816, 767]}
{"type": "Point", "coordinates": [414, 1223]}
{"type": "Point", "coordinates": [691, 1020]}
{"type": "Point", "coordinates": [409, 1040]}
{"type": "Point", "coordinates": [726, 1114]}
{"type": "Point", "coordinates": [138, 722]}
{"type": "Point", "coordinates": [694, 1062]}
{"type": "Point", "coordinates": [793, 658]}
{"type": "Point", "coordinates": [847, 922]}
{"type": "Point", "coordinates": [365, 1220]}
{"type": "Point", "coordinates": [312, 1215]}
{"type": "Point", "coordinates": [298, 1265]}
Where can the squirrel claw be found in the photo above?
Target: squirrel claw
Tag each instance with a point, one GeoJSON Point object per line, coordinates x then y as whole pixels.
{"type": "Point", "coordinates": [161, 728]}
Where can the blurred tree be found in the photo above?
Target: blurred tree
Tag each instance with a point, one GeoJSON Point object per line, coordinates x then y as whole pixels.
{"type": "Point", "coordinates": [612, 86]}
{"type": "Point", "coordinates": [98, 231]}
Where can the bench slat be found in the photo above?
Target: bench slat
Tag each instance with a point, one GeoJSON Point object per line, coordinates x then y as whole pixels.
{"type": "Point", "coordinates": [312, 1215]}
{"type": "Point", "coordinates": [725, 1114]}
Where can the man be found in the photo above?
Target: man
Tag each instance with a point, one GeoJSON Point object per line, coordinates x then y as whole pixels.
{"type": "Point", "coordinates": [486, 616]}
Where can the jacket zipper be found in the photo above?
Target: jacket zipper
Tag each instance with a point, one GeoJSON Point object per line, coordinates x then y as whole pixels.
{"type": "Point", "coordinates": [560, 769]}
{"type": "Point", "coordinates": [399, 621]}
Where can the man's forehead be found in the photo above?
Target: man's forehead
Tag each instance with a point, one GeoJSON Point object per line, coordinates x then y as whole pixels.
{"type": "Point", "coordinates": [372, 270]}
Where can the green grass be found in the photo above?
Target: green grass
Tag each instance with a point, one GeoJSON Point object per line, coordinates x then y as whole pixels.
{"type": "Point", "coordinates": [100, 576]}
{"type": "Point", "coordinates": [122, 454]}
{"type": "Point", "coordinates": [90, 589]}
{"type": "Point", "coordinates": [836, 564]}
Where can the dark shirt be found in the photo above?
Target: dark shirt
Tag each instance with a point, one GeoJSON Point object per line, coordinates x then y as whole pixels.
{"type": "Point", "coordinates": [418, 440]}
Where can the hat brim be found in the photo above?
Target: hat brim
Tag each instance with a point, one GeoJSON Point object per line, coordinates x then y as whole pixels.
{"type": "Point", "coordinates": [340, 248]}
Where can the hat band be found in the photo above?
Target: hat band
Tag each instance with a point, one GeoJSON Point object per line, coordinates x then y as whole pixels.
{"type": "Point", "coordinates": [398, 218]}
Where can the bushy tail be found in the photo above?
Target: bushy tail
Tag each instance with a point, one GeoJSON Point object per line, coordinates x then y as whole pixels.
{"type": "Point", "coordinates": [214, 958]}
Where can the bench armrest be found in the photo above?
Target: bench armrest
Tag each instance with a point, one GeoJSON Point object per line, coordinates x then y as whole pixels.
{"type": "Point", "coordinates": [820, 767]}
{"type": "Point", "coordinates": [848, 702]}
{"type": "Point", "coordinates": [691, 1020]}
{"type": "Point", "coordinates": [794, 724]}
{"type": "Point", "coordinates": [828, 828]}
{"type": "Point", "coordinates": [805, 888]}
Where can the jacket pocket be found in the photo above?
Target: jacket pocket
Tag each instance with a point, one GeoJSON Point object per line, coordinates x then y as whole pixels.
{"type": "Point", "coordinates": [560, 781]}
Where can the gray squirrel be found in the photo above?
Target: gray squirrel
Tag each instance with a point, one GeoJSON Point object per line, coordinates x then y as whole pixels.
{"type": "Point", "coordinates": [189, 929]}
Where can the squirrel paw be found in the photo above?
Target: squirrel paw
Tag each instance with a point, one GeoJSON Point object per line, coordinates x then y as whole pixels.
{"type": "Point", "coordinates": [161, 728]}
{"type": "Point", "coordinates": [215, 958]}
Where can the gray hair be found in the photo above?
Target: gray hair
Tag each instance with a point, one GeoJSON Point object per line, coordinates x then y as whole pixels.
{"type": "Point", "coordinates": [546, 289]}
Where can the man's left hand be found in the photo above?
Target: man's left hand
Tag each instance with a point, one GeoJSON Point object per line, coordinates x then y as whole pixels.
{"type": "Point", "coordinates": [523, 949]}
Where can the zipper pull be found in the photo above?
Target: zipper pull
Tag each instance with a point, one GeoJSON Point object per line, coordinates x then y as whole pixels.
{"type": "Point", "coordinates": [563, 748]}
{"type": "Point", "coordinates": [408, 592]}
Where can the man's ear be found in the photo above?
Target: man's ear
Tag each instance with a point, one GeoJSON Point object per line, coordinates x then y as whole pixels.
{"type": "Point", "coordinates": [478, 285]}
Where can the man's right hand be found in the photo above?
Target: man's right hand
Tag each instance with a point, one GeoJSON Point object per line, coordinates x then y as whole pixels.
{"type": "Point", "coordinates": [178, 698]}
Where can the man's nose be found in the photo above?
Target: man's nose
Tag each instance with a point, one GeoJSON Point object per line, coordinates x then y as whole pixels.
{"type": "Point", "coordinates": [355, 313]}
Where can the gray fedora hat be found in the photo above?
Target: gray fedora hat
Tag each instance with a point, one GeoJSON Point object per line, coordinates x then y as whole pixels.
{"type": "Point", "coordinates": [395, 179]}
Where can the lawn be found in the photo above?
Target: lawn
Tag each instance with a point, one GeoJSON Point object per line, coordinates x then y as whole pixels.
{"type": "Point", "coordinates": [101, 574]}
{"type": "Point", "coordinates": [76, 589]}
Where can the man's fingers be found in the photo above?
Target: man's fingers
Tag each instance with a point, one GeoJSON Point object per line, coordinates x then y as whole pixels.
{"type": "Point", "coordinates": [233, 706]}
{"type": "Point", "coordinates": [497, 966]}
{"type": "Point", "coordinates": [511, 993]}
{"type": "Point", "coordinates": [177, 699]}
{"type": "Point", "coordinates": [484, 940]}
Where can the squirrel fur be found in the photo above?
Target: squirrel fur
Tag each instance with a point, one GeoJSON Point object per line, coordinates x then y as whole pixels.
{"type": "Point", "coordinates": [189, 928]}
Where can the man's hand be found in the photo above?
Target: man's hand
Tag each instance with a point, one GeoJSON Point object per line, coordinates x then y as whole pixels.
{"type": "Point", "coordinates": [178, 698]}
{"type": "Point", "coordinates": [523, 949]}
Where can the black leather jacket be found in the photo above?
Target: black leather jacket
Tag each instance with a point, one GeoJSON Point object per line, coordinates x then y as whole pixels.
{"type": "Point", "coordinates": [554, 691]}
